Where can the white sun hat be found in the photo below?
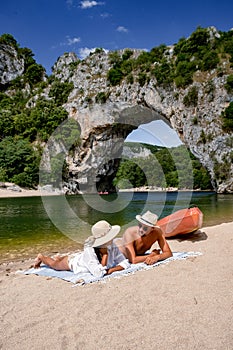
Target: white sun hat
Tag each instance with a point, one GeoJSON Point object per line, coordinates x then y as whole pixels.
{"type": "Point", "coordinates": [102, 233]}
{"type": "Point", "coordinates": [148, 219]}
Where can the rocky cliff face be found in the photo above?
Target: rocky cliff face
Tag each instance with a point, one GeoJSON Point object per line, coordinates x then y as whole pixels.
{"type": "Point", "coordinates": [133, 152]}
{"type": "Point", "coordinates": [11, 66]}
{"type": "Point", "coordinates": [129, 105]}
{"type": "Point", "coordinates": [106, 114]}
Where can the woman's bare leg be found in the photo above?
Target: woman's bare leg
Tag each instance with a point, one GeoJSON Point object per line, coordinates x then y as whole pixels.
{"type": "Point", "coordinates": [60, 264]}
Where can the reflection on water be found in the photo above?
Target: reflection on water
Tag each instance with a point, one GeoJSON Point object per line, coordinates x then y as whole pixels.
{"type": "Point", "coordinates": [59, 223]}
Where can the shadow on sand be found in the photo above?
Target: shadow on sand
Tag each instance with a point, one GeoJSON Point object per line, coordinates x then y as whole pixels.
{"type": "Point", "coordinates": [192, 237]}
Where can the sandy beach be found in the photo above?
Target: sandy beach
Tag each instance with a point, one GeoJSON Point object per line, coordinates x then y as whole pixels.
{"type": "Point", "coordinates": [185, 304]}
{"type": "Point", "coordinates": [8, 193]}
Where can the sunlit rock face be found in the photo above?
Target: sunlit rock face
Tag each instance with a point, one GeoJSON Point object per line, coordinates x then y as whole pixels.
{"type": "Point", "coordinates": [11, 66]}
{"type": "Point", "coordinates": [106, 114]}
{"type": "Point", "coordinates": [106, 123]}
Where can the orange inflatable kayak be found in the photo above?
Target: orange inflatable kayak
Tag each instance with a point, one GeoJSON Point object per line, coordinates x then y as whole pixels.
{"type": "Point", "coordinates": [181, 222]}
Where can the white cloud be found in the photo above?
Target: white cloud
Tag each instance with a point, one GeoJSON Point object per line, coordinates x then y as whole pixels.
{"type": "Point", "coordinates": [105, 15]}
{"type": "Point", "coordinates": [72, 41]}
{"type": "Point", "coordinates": [86, 4]}
{"type": "Point", "coordinates": [122, 29]}
{"type": "Point", "coordinates": [85, 51]}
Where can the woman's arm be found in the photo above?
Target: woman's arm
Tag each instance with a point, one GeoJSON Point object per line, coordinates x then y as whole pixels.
{"type": "Point", "coordinates": [104, 259]}
{"type": "Point", "coordinates": [113, 269]}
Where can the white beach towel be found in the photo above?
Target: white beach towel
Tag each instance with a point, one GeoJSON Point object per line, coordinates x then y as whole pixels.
{"type": "Point", "coordinates": [85, 278]}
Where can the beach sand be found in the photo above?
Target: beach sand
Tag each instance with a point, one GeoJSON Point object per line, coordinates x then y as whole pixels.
{"type": "Point", "coordinates": [7, 193]}
{"type": "Point", "coordinates": [184, 304]}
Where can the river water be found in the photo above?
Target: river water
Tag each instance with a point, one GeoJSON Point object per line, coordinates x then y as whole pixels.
{"type": "Point", "coordinates": [59, 224]}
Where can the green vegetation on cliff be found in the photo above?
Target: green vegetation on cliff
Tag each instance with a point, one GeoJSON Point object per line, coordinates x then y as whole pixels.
{"type": "Point", "coordinates": [164, 168]}
{"type": "Point", "coordinates": [202, 51]}
{"type": "Point", "coordinates": [28, 118]}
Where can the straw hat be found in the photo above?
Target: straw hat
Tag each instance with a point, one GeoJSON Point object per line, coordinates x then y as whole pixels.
{"type": "Point", "coordinates": [102, 233]}
{"type": "Point", "coordinates": [148, 219]}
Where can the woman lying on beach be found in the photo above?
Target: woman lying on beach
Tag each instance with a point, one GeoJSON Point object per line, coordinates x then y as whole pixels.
{"type": "Point", "coordinates": [100, 255]}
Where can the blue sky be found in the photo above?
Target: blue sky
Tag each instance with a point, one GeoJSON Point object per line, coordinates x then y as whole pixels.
{"type": "Point", "coordinates": [51, 27]}
{"type": "Point", "coordinates": [155, 133]}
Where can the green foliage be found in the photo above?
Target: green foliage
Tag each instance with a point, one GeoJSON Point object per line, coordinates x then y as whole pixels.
{"type": "Point", "coordinates": [142, 79]}
{"type": "Point", "coordinates": [32, 123]}
{"type": "Point", "coordinates": [126, 67]}
{"type": "Point", "coordinates": [9, 107]}
{"type": "Point", "coordinates": [8, 39]}
{"type": "Point", "coordinates": [201, 177]}
{"type": "Point", "coordinates": [74, 65]}
{"type": "Point", "coordinates": [127, 54]}
{"type": "Point", "coordinates": [60, 91]}
{"type": "Point", "coordinates": [3, 175]}
{"type": "Point", "coordinates": [225, 44]}
{"type": "Point", "coordinates": [222, 169]}
{"type": "Point", "coordinates": [45, 118]}
{"type": "Point", "coordinates": [227, 117]}
{"type": "Point", "coordinates": [34, 74]}
{"type": "Point", "coordinates": [101, 97]}
{"type": "Point", "coordinates": [27, 55]}
{"type": "Point", "coordinates": [58, 168]}
{"type": "Point", "coordinates": [163, 73]}
{"type": "Point", "coordinates": [19, 162]}
{"type": "Point", "coordinates": [184, 73]}
{"type": "Point", "coordinates": [229, 84]}
{"type": "Point", "coordinates": [130, 79]}
{"type": "Point", "coordinates": [114, 58]}
{"type": "Point", "coordinates": [115, 76]}
{"type": "Point", "coordinates": [191, 99]}
{"type": "Point", "coordinates": [194, 44]}
{"type": "Point", "coordinates": [164, 168]}
{"type": "Point", "coordinates": [157, 53]}
{"type": "Point", "coordinates": [129, 171]}
{"type": "Point", "coordinates": [25, 118]}
{"type": "Point", "coordinates": [68, 133]}
{"type": "Point", "coordinates": [202, 137]}
{"type": "Point", "coordinates": [210, 61]}
{"type": "Point", "coordinates": [200, 52]}
{"type": "Point", "coordinates": [142, 59]}
{"type": "Point", "coordinates": [97, 51]}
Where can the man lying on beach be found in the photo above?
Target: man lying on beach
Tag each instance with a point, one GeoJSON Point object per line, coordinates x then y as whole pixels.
{"type": "Point", "coordinates": [137, 240]}
{"type": "Point", "coordinates": [100, 255]}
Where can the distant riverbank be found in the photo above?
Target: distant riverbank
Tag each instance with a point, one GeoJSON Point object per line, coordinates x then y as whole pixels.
{"type": "Point", "coordinates": [149, 189]}
{"type": "Point", "coordinates": [10, 190]}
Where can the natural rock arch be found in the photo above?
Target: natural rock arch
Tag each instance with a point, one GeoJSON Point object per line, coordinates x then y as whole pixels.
{"type": "Point", "coordinates": [197, 124]}
{"type": "Point", "coordinates": [109, 109]}
{"type": "Point", "coordinates": [104, 129]}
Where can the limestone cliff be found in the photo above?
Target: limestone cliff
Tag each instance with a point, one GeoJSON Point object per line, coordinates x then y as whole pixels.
{"type": "Point", "coordinates": [11, 66]}
{"type": "Point", "coordinates": [106, 113]}
{"type": "Point", "coordinates": [199, 126]}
